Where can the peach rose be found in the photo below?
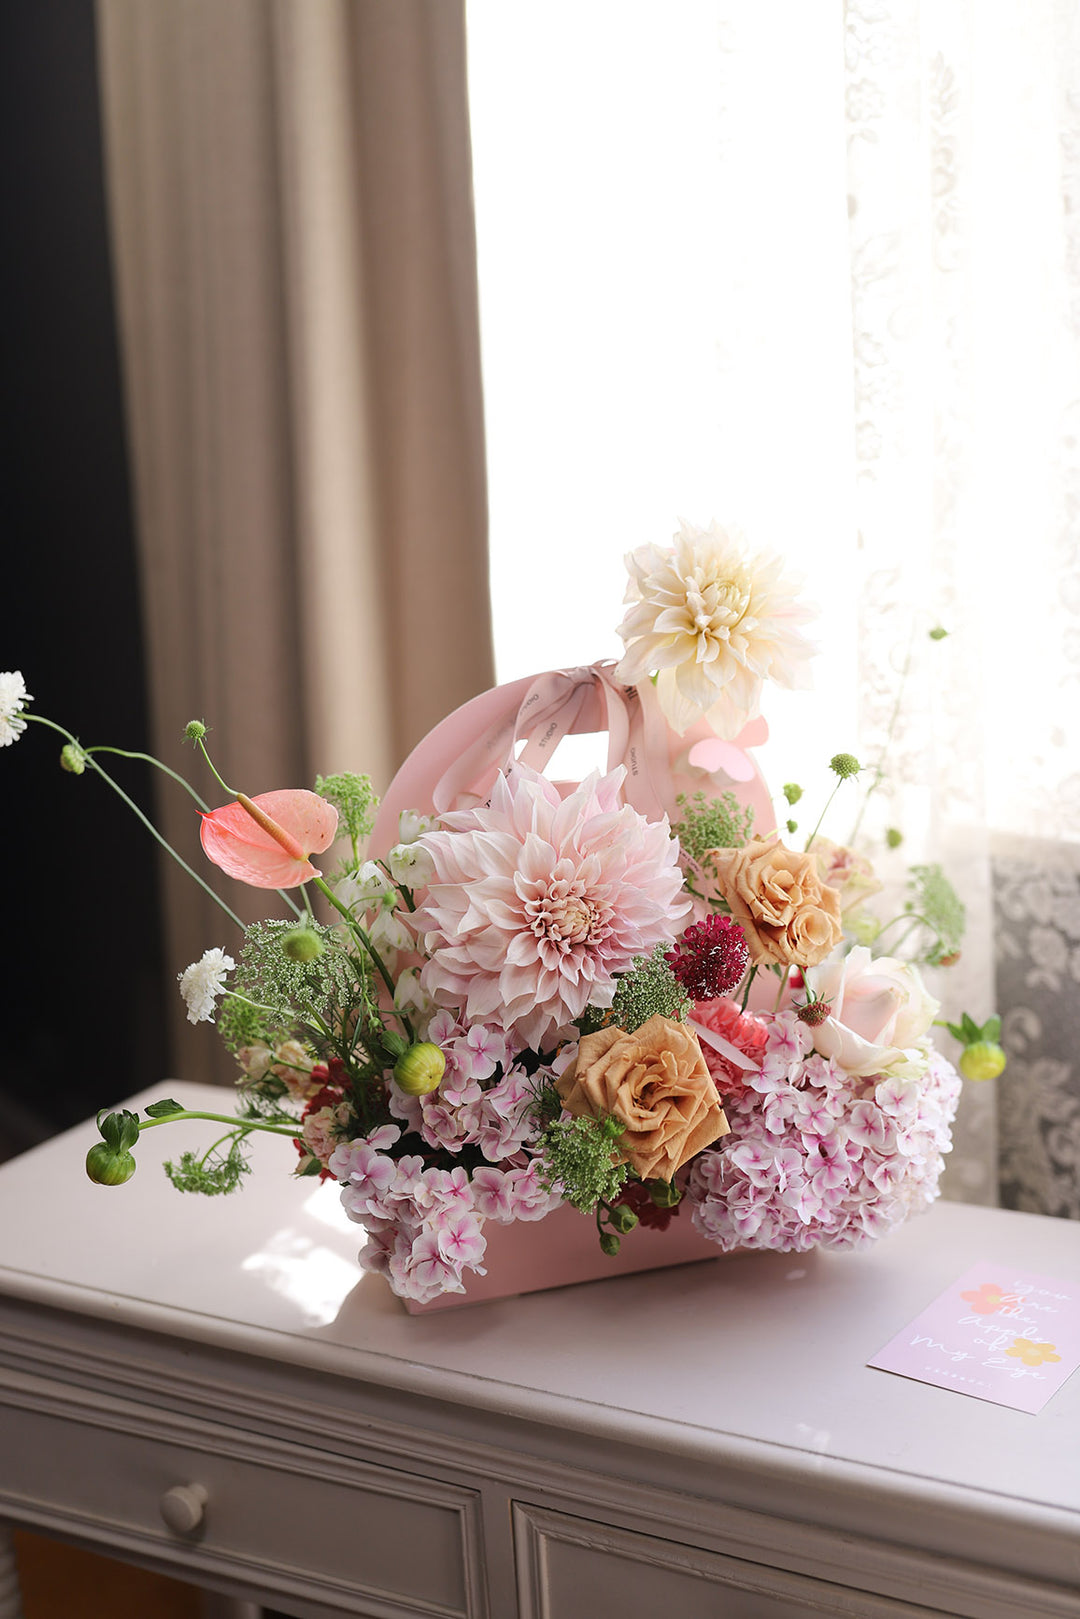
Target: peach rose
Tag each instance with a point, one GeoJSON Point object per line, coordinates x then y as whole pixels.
{"type": "Point", "coordinates": [789, 915]}
{"type": "Point", "coordinates": [656, 1084]}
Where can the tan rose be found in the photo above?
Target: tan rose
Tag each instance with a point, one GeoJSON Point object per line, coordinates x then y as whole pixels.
{"type": "Point", "coordinates": [656, 1084]}
{"type": "Point", "coordinates": [788, 914]}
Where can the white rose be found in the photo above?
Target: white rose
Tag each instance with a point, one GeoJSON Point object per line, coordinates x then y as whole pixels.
{"type": "Point", "coordinates": [880, 1009]}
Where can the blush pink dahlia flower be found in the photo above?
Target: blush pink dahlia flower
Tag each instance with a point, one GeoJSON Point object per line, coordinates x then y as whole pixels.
{"type": "Point", "coordinates": [536, 902]}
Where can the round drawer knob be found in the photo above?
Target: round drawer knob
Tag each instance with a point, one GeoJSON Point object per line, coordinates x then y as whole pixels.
{"type": "Point", "coordinates": [183, 1506]}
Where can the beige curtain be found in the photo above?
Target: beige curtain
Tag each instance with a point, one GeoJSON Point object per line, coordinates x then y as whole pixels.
{"type": "Point", "coordinates": [289, 189]}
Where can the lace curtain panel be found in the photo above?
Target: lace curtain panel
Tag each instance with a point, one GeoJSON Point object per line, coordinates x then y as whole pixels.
{"type": "Point", "coordinates": [816, 270]}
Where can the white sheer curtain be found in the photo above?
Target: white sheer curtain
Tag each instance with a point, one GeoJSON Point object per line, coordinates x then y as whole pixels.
{"type": "Point", "coordinates": [815, 269]}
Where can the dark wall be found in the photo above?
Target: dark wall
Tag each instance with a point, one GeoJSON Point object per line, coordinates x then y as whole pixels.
{"type": "Point", "coordinates": [81, 991]}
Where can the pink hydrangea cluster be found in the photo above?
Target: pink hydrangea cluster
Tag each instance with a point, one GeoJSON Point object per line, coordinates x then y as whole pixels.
{"type": "Point", "coordinates": [425, 1225]}
{"type": "Point", "coordinates": [498, 1118]}
{"type": "Point", "coordinates": [821, 1157]}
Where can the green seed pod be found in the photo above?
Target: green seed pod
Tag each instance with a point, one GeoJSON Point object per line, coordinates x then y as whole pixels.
{"type": "Point", "coordinates": [419, 1070]}
{"type": "Point", "coordinates": [72, 759]}
{"type": "Point", "coordinates": [665, 1194]}
{"type": "Point", "coordinates": [302, 944]}
{"type": "Point", "coordinates": [845, 764]}
{"type": "Point", "coordinates": [982, 1060]}
{"type": "Point", "coordinates": [108, 1167]}
{"type": "Point", "coordinates": [609, 1243]}
{"type": "Point", "coordinates": [623, 1218]}
{"type": "Point", "coordinates": [194, 730]}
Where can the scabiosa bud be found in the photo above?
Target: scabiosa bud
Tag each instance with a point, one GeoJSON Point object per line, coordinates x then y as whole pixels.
{"type": "Point", "coordinates": [194, 730]}
{"type": "Point", "coordinates": [792, 792]}
{"type": "Point", "coordinates": [813, 1012]}
{"type": "Point", "coordinates": [72, 759]}
{"type": "Point", "coordinates": [710, 958]}
{"type": "Point", "coordinates": [419, 1070]}
{"type": "Point", "coordinates": [893, 837]}
{"type": "Point", "coordinates": [845, 764]}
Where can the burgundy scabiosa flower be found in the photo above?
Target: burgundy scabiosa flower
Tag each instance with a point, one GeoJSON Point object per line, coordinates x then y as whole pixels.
{"type": "Point", "coordinates": [710, 958]}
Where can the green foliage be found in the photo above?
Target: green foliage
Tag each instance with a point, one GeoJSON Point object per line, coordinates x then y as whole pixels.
{"type": "Point", "coordinates": [712, 823]}
{"type": "Point", "coordinates": [936, 902]}
{"type": "Point", "coordinates": [970, 1033]}
{"type": "Point", "coordinates": [217, 1172]}
{"type": "Point", "coordinates": [580, 1155]}
{"type": "Point", "coordinates": [650, 987]}
{"type": "Point", "coordinates": [160, 1110]}
{"type": "Point", "coordinates": [240, 1024]}
{"type": "Point", "coordinates": [356, 801]}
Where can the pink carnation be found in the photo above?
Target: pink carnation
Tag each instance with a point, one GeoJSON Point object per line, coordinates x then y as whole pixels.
{"type": "Point", "coordinates": [536, 902]}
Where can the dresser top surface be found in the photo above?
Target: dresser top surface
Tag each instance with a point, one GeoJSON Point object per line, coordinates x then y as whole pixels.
{"type": "Point", "coordinates": [765, 1352]}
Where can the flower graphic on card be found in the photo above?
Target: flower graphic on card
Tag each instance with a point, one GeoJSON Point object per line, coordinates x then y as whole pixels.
{"type": "Point", "coordinates": [1032, 1354]}
{"type": "Point", "coordinates": [988, 1299]}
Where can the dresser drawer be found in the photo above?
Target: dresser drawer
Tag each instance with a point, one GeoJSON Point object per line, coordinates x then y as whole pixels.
{"type": "Point", "coordinates": [568, 1567]}
{"type": "Point", "coordinates": [283, 1520]}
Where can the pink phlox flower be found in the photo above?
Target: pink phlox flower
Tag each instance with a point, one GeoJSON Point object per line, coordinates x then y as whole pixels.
{"type": "Point", "coordinates": [897, 1097]}
{"type": "Point", "coordinates": [828, 1179]}
{"type": "Point", "coordinates": [492, 1194]}
{"type": "Point", "coordinates": [789, 1166]}
{"type": "Point", "coordinates": [535, 903]}
{"type": "Point", "coordinates": [505, 1121]}
{"type": "Point", "coordinates": [419, 1269]}
{"type": "Point", "coordinates": [885, 1176]}
{"type": "Point", "coordinates": [773, 1075]}
{"type": "Point", "coordinates": [441, 1190]}
{"type": "Point", "coordinates": [459, 1085]}
{"type": "Point", "coordinates": [777, 1111]}
{"type": "Point", "coordinates": [532, 1198]}
{"type": "Point", "coordinates": [375, 1254]}
{"type": "Point", "coordinates": [444, 1027]}
{"type": "Point", "coordinates": [811, 1116]}
{"type": "Point", "coordinates": [804, 1199]}
{"type": "Point", "coordinates": [488, 1049]}
{"type": "Point", "coordinates": [788, 1038]}
{"type": "Point", "coordinates": [460, 1238]}
{"type": "Point", "coordinates": [918, 1142]}
{"type": "Point", "coordinates": [755, 1161]}
{"type": "Point", "coordinates": [442, 1125]}
{"type": "Point", "coordinates": [868, 1127]}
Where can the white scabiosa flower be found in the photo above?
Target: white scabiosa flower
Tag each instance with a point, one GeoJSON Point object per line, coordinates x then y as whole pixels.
{"type": "Point", "coordinates": [203, 982]}
{"type": "Point", "coordinates": [713, 623]}
{"type": "Point", "coordinates": [13, 699]}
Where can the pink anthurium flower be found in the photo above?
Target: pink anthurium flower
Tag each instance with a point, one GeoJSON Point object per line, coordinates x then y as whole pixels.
{"type": "Point", "coordinates": [266, 841]}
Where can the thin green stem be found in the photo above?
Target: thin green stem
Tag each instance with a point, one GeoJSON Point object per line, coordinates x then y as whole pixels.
{"type": "Point", "coordinates": [221, 1118]}
{"type": "Point", "coordinates": [361, 935]}
{"type": "Point", "coordinates": [201, 745]}
{"type": "Point", "coordinates": [145, 819]}
{"type": "Point", "coordinates": [839, 783]}
{"type": "Point", "coordinates": [751, 975]}
{"type": "Point", "coordinates": [780, 991]}
{"type": "Point", "coordinates": [148, 758]}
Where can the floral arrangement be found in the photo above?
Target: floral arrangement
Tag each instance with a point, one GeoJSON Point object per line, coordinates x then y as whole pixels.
{"type": "Point", "coordinates": [542, 995]}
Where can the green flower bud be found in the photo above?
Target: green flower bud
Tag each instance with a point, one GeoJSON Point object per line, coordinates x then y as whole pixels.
{"type": "Point", "coordinates": [72, 759]}
{"type": "Point", "coordinates": [419, 1070]}
{"type": "Point", "coordinates": [609, 1243]}
{"type": "Point", "coordinates": [108, 1167]}
{"type": "Point", "coordinates": [623, 1218]}
{"type": "Point", "coordinates": [194, 730]}
{"type": "Point", "coordinates": [982, 1060]}
{"type": "Point", "coordinates": [792, 792]}
{"type": "Point", "coordinates": [792, 826]}
{"type": "Point", "coordinates": [663, 1193]}
{"type": "Point", "coordinates": [938, 633]}
{"type": "Point", "coordinates": [302, 944]}
{"type": "Point", "coordinates": [120, 1130]}
{"type": "Point", "coordinates": [845, 764]}
{"type": "Point", "coordinates": [893, 837]}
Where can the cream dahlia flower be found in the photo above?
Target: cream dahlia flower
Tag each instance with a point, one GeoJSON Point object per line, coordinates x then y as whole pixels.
{"type": "Point", "coordinates": [535, 903]}
{"type": "Point", "coordinates": [714, 623]}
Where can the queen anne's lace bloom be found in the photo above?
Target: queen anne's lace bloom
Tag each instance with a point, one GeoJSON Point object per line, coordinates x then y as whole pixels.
{"type": "Point", "coordinates": [715, 623]}
{"type": "Point", "coordinates": [535, 903]}
{"type": "Point", "coordinates": [13, 699]}
{"type": "Point", "coordinates": [820, 1157]}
